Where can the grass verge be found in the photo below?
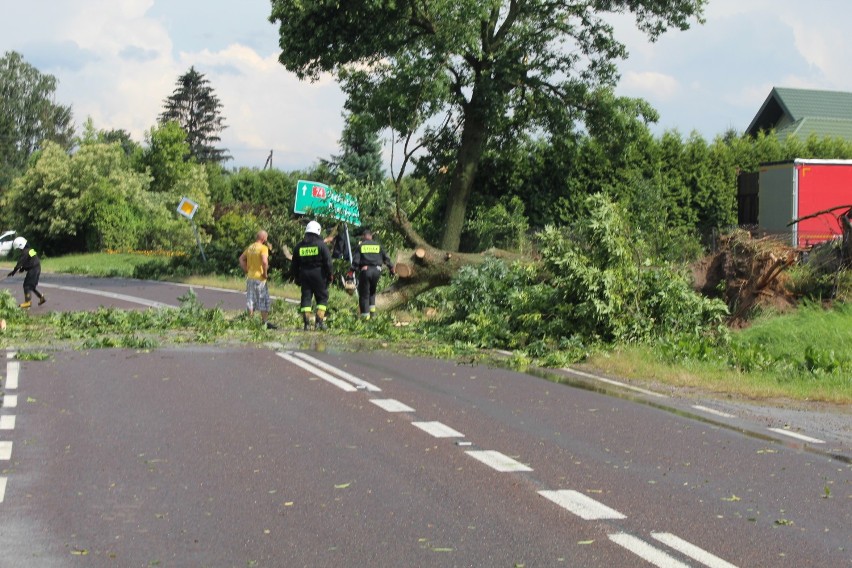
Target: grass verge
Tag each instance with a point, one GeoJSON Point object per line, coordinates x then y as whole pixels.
{"type": "Point", "coordinates": [804, 355]}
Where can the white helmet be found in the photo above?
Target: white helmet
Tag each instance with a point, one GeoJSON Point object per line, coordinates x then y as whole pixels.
{"type": "Point", "coordinates": [313, 227]}
{"type": "Point", "coordinates": [19, 243]}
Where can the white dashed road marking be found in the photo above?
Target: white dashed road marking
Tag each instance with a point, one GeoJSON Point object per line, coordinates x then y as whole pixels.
{"type": "Point", "coordinates": [391, 405]}
{"type": "Point", "coordinates": [645, 551]}
{"type": "Point", "coordinates": [342, 385]}
{"type": "Point", "coordinates": [438, 430]}
{"type": "Point", "coordinates": [7, 422]}
{"type": "Point", "coordinates": [13, 368]}
{"type": "Point", "coordinates": [616, 383]}
{"type": "Point", "coordinates": [498, 461]}
{"type": "Point", "coordinates": [581, 505]}
{"type": "Point", "coordinates": [10, 401]}
{"type": "Point", "coordinates": [712, 411]}
{"type": "Point", "coordinates": [5, 450]}
{"type": "Point", "coordinates": [797, 436]}
{"type": "Point", "coordinates": [2, 488]}
{"type": "Point", "coordinates": [575, 502]}
{"type": "Point", "coordinates": [339, 372]}
{"type": "Point", "coordinates": [689, 549]}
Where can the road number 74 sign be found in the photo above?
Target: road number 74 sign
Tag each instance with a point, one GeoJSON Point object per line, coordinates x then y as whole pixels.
{"type": "Point", "coordinates": [320, 199]}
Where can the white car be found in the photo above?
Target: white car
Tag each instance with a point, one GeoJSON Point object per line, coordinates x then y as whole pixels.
{"type": "Point", "coordinates": [6, 242]}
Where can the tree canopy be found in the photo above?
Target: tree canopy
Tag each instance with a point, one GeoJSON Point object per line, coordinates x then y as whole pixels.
{"type": "Point", "coordinates": [458, 73]}
{"type": "Point", "coordinates": [196, 108]}
{"type": "Point", "coordinates": [28, 115]}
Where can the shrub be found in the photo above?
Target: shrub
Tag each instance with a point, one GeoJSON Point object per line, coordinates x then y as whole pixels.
{"type": "Point", "coordinates": [593, 285]}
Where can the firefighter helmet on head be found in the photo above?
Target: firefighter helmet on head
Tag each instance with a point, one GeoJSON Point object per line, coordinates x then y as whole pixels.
{"type": "Point", "coordinates": [19, 243]}
{"type": "Point", "coordinates": [313, 227]}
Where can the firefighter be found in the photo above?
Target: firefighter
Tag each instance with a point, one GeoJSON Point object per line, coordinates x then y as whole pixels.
{"type": "Point", "coordinates": [367, 262]}
{"type": "Point", "coordinates": [30, 264]}
{"type": "Point", "coordinates": [313, 272]}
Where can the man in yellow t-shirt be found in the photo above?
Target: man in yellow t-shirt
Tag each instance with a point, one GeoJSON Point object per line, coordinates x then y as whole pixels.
{"type": "Point", "coordinates": [255, 263]}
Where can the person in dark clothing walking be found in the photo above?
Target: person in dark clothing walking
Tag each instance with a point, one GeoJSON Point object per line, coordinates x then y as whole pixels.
{"type": "Point", "coordinates": [367, 261]}
{"type": "Point", "coordinates": [30, 264]}
{"type": "Point", "coordinates": [313, 272]}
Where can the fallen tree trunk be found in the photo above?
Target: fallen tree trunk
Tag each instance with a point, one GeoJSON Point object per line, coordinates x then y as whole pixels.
{"type": "Point", "coordinates": [425, 267]}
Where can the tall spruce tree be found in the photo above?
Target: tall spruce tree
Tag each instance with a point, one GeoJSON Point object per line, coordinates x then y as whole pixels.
{"type": "Point", "coordinates": [195, 106]}
{"type": "Point", "coordinates": [361, 156]}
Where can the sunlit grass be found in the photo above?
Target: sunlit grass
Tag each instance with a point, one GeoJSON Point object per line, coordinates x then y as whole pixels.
{"type": "Point", "coordinates": [784, 340]}
{"type": "Point", "coordinates": [119, 265]}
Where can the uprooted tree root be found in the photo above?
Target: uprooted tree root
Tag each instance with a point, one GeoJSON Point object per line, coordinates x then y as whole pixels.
{"type": "Point", "coordinates": [747, 273]}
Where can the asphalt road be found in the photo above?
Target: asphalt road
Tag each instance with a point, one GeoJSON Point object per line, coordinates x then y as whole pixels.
{"type": "Point", "coordinates": [270, 456]}
{"type": "Point", "coordinates": [69, 292]}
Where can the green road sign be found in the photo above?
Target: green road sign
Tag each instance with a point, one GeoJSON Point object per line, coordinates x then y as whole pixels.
{"type": "Point", "coordinates": [320, 199]}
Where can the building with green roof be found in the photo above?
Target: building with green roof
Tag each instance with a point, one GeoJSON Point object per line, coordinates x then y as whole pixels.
{"type": "Point", "coordinates": [803, 112]}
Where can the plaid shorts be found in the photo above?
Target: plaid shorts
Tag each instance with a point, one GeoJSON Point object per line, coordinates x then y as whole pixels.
{"type": "Point", "coordinates": [257, 295]}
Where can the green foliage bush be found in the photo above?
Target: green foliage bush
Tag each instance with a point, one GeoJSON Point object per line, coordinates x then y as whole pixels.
{"type": "Point", "coordinates": [594, 284]}
{"type": "Point", "coordinates": [503, 225]}
{"type": "Point", "coordinates": [9, 309]}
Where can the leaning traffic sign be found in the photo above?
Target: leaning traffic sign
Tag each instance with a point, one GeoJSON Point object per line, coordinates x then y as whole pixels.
{"type": "Point", "coordinates": [313, 197]}
{"type": "Point", "coordinates": [187, 207]}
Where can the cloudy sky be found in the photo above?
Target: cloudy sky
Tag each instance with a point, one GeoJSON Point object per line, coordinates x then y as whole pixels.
{"type": "Point", "coordinates": [117, 60]}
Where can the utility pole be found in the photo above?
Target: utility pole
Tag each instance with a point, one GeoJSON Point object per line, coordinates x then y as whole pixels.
{"type": "Point", "coordinates": [268, 161]}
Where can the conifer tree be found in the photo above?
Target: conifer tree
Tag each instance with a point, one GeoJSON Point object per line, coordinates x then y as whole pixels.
{"type": "Point", "coordinates": [361, 156]}
{"type": "Point", "coordinates": [197, 109]}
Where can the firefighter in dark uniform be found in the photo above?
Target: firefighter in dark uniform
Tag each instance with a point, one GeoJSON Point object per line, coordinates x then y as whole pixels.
{"type": "Point", "coordinates": [313, 271]}
{"type": "Point", "coordinates": [367, 262]}
{"type": "Point", "coordinates": [30, 264]}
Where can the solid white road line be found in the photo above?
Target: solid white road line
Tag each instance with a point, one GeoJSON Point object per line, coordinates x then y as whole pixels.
{"type": "Point", "coordinates": [10, 400]}
{"type": "Point", "coordinates": [438, 430]}
{"type": "Point", "coordinates": [2, 489]}
{"type": "Point", "coordinates": [391, 405]}
{"type": "Point", "coordinates": [113, 295]}
{"type": "Point", "coordinates": [498, 461]}
{"type": "Point", "coordinates": [616, 383]}
{"type": "Point", "coordinates": [7, 422]}
{"type": "Point", "coordinates": [797, 436]}
{"type": "Point", "coordinates": [342, 385]}
{"type": "Point", "coordinates": [645, 551]}
{"type": "Point", "coordinates": [5, 450]}
{"type": "Point", "coordinates": [712, 411]}
{"type": "Point", "coordinates": [339, 372]}
{"type": "Point", "coordinates": [581, 505]}
{"type": "Point", "coordinates": [13, 369]}
{"type": "Point", "coordinates": [689, 549]}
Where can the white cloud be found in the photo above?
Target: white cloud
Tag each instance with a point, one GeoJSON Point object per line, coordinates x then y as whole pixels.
{"type": "Point", "coordinates": [117, 60]}
{"type": "Point", "coordinates": [268, 108]}
{"type": "Point", "coordinates": [825, 46]}
{"type": "Point", "coordinates": [644, 83]}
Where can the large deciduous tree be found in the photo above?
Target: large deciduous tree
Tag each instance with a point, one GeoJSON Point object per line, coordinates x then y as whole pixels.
{"type": "Point", "coordinates": [196, 108]}
{"type": "Point", "coordinates": [28, 115]}
{"type": "Point", "coordinates": [486, 67]}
